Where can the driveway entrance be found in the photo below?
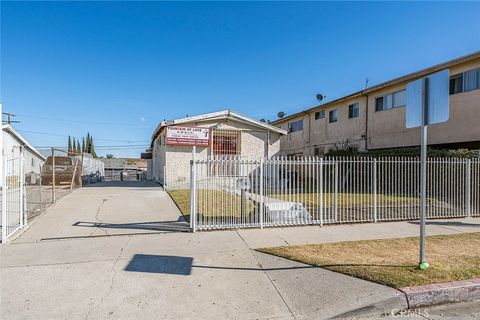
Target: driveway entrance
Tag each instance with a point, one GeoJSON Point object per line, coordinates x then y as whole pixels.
{"type": "Point", "coordinates": [109, 209]}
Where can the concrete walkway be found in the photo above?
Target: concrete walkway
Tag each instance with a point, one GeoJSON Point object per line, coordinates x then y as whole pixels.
{"type": "Point", "coordinates": [60, 270]}
{"type": "Point", "coordinates": [109, 208]}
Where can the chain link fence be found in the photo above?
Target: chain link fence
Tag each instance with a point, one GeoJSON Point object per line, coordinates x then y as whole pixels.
{"type": "Point", "coordinates": [58, 176]}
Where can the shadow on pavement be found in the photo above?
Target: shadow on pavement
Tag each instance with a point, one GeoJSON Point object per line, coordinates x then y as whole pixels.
{"type": "Point", "coordinates": [124, 184]}
{"type": "Point", "coordinates": [172, 226]}
{"type": "Point", "coordinates": [183, 265]}
{"type": "Point", "coordinates": [448, 223]}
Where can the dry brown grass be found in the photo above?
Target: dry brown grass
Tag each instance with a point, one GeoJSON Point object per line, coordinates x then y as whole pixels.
{"type": "Point", "coordinates": [394, 262]}
{"type": "Point", "coordinates": [214, 204]}
{"type": "Point", "coordinates": [347, 200]}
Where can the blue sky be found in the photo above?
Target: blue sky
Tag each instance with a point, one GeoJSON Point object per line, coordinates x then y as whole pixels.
{"type": "Point", "coordinates": [116, 69]}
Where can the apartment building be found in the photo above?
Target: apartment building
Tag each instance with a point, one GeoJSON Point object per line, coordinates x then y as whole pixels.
{"type": "Point", "coordinates": [374, 118]}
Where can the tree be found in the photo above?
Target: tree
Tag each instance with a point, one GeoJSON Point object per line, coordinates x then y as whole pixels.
{"type": "Point", "coordinates": [109, 156]}
{"type": "Point", "coordinates": [78, 148]}
{"type": "Point", "coordinates": [74, 147]}
{"type": "Point", "coordinates": [92, 148]}
{"type": "Point", "coordinates": [88, 143]}
{"type": "Point", "coordinates": [83, 145]}
{"type": "Point", "coordinates": [69, 145]}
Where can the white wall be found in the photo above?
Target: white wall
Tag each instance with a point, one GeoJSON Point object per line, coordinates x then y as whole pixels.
{"type": "Point", "coordinates": [256, 143]}
{"type": "Point", "coordinates": [11, 146]}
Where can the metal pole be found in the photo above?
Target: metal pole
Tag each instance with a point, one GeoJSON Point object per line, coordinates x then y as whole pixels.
{"type": "Point", "coordinates": [375, 214]}
{"type": "Point", "coordinates": [261, 194]}
{"type": "Point", "coordinates": [192, 190]}
{"type": "Point", "coordinates": [4, 197]}
{"type": "Point", "coordinates": [468, 188]}
{"type": "Point", "coordinates": [22, 191]}
{"type": "Point", "coordinates": [423, 170]}
{"type": "Point", "coordinates": [335, 181]}
{"type": "Point", "coordinates": [53, 175]}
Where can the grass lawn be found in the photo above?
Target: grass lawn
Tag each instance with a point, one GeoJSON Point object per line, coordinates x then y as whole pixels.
{"type": "Point", "coordinates": [211, 204]}
{"type": "Point", "coordinates": [345, 200]}
{"type": "Point", "coordinates": [393, 262]}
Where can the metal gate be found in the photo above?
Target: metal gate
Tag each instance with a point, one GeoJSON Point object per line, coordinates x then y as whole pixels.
{"type": "Point", "coordinates": [236, 193]}
{"type": "Point", "coordinates": [13, 191]}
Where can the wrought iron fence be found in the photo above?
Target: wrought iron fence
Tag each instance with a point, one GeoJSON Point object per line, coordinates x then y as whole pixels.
{"type": "Point", "coordinates": [13, 213]}
{"type": "Point", "coordinates": [239, 193]}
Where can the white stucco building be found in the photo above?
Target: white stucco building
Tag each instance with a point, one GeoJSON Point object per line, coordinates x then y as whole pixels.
{"type": "Point", "coordinates": [14, 143]}
{"type": "Point", "coordinates": [226, 133]}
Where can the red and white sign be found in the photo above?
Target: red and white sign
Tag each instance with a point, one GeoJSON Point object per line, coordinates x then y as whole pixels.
{"type": "Point", "coordinates": [188, 136]}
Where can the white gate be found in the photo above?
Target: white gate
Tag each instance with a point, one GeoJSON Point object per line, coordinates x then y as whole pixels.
{"type": "Point", "coordinates": [235, 193]}
{"type": "Point", "coordinates": [13, 191]}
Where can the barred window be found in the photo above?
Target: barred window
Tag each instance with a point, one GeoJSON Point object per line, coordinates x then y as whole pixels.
{"type": "Point", "coordinates": [226, 142]}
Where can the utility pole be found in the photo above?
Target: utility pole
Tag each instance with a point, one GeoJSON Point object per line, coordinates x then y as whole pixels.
{"type": "Point", "coordinates": [9, 118]}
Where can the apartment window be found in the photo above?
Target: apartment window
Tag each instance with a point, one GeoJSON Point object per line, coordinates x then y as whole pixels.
{"type": "Point", "coordinates": [318, 151]}
{"type": "Point", "coordinates": [379, 104]}
{"type": "Point", "coordinates": [390, 101]}
{"type": "Point", "coordinates": [399, 99]}
{"type": "Point", "coordinates": [471, 80]}
{"type": "Point", "coordinates": [466, 81]}
{"type": "Point", "coordinates": [295, 126]}
{"type": "Point", "coordinates": [353, 110]}
{"type": "Point", "coordinates": [332, 116]}
{"type": "Point", "coordinates": [456, 83]}
{"type": "Point", "coordinates": [319, 115]}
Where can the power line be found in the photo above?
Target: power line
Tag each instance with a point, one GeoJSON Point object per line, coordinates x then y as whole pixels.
{"type": "Point", "coordinates": [66, 136]}
{"type": "Point", "coordinates": [82, 121]}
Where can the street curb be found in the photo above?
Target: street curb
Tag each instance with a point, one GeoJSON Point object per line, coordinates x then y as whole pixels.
{"type": "Point", "coordinates": [384, 306]}
{"type": "Point", "coordinates": [439, 293]}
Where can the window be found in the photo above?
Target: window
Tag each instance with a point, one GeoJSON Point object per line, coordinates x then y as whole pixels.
{"type": "Point", "coordinates": [332, 116]}
{"type": "Point", "coordinates": [318, 151]}
{"type": "Point", "coordinates": [319, 114]}
{"type": "Point", "coordinates": [466, 81]}
{"type": "Point", "coordinates": [456, 83]}
{"type": "Point", "coordinates": [295, 126]}
{"type": "Point", "coordinates": [379, 104]}
{"type": "Point", "coordinates": [471, 80]}
{"type": "Point", "coordinates": [353, 110]}
{"type": "Point", "coordinates": [390, 101]}
{"type": "Point", "coordinates": [399, 99]}
{"type": "Point", "coordinates": [226, 142]}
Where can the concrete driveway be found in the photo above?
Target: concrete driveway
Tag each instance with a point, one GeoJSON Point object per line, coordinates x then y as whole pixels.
{"type": "Point", "coordinates": [118, 251]}
{"type": "Point", "coordinates": [109, 208]}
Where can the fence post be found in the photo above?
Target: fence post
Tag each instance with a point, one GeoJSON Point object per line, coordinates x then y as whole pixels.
{"type": "Point", "coordinates": [23, 216]}
{"type": "Point", "coordinates": [165, 177]}
{"type": "Point", "coordinates": [262, 199]}
{"type": "Point", "coordinates": [375, 217]}
{"type": "Point", "coordinates": [320, 188]}
{"type": "Point", "coordinates": [53, 175]}
{"type": "Point", "coordinates": [468, 187]}
{"type": "Point", "coordinates": [336, 189]}
{"type": "Point", "coordinates": [4, 197]}
{"type": "Point", "coordinates": [193, 178]}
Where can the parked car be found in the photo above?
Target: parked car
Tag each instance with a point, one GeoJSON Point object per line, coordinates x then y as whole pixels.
{"type": "Point", "coordinates": [64, 170]}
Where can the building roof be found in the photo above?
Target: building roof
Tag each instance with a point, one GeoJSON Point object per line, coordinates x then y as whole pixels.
{"type": "Point", "coordinates": [224, 114]}
{"type": "Point", "coordinates": [408, 77]}
{"type": "Point", "coordinates": [9, 129]}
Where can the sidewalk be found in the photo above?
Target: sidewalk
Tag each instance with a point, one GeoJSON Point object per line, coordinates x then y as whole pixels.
{"type": "Point", "coordinates": [181, 275]}
{"type": "Point", "coordinates": [271, 237]}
